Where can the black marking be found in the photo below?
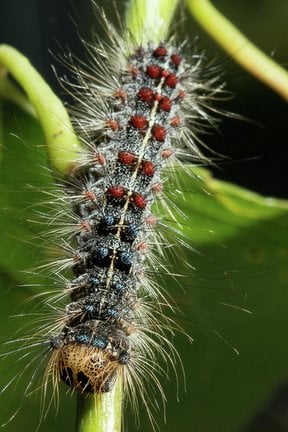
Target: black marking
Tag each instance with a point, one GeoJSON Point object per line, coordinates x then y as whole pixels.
{"type": "Point", "coordinates": [83, 380]}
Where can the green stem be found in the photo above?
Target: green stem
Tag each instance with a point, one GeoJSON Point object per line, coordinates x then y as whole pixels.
{"type": "Point", "coordinates": [100, 412]}
{"type": "Point", "coordinates": [149, 20]}
{"type": "Point", "coordinates": [239, 47]}
{"type": "Point", "coordinates": [10, 92]}
{"type": "Point", "coordinates": [63, 145]}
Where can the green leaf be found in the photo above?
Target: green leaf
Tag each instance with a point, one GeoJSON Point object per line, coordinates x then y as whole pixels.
{"type": "Point", "coordinates": [240, 264]}
{"type": "Point", "coordinates": [241, 239]}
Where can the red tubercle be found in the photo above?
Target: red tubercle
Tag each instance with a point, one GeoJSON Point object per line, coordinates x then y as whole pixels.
{"type": "Point", "coordinates": [126, 158]}
{"type": "Point", "coordinates": [148, 168]}
{"type": "Point", "coordinates": [117, 191]}
{"type": "Point", "coordinates": [140, 274]}
{"type": "Point", "coordinates": [90, 195]}
{"type": "Point", "coordinates": [166, 153]}
{"type": "Point", "coordinates": [161, 51]}
{"type": "Point", "coordinates": [176, 121]}
{"type": "Point", "coordinates": [85, 226]}
{"type": "Point", "coordinates": [136, 306]}
{"type": "Point", "coordinates": [139, 200]}
{"type": "Point", "coordinates": [151, 220]}
{"type": "Point", "coordinates": [154, 71]}
{"type": "Point", "coordinates": [157, 187]}
{"type": "Point", "coordinates": [142, 247]}
{"type": "Point", "coordinates": [129, 329]}
{"type": "Point", "coordinates": [134, 70]}
{"type": "Point", "coordinates": [138, 121]}
{"type": "Point", "coordinates": [159, 132]}
{"type": "Point", "coordinates": [76, 259]}
{"type": "Point", "coordinates": [165, 104]}
{"type": "Point", "coordinates": [112, 124]}
{"type": "Point", "coordinates": [181, 95]}
{"type": "Point", "coordinates": [146, 94]}
{"type": "Point", "coordinates": [171, 80]}
{"type": "Point", "coordinates": [100, 158]}
{"type": "Point", "coordinates": [176, 59]}
{"type": "Point", "coordinates": [120, 94]}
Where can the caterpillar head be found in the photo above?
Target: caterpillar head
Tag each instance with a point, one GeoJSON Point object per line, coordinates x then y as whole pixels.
{"type": "Point", "coordinates": [86, 368]}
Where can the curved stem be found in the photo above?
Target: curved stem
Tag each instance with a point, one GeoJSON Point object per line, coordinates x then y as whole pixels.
{"type": "Point", "coordinates": [63, 145]}
{"type": "Point", "coordinates": [9, 91]}
{"type": "Point", "coordinates": [239, 47]}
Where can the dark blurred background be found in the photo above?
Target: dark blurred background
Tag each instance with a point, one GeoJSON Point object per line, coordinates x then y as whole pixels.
{"type": "Point", "coordinates": [256, 149]}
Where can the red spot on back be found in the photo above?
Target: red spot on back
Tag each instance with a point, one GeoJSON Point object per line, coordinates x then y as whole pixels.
{"type": "Point", "coordinates": [117, 191]}
{"type": "Point", "coordinates": [161, 51]}
{"type": "Point", "coordinates": [176, 59]}
{"type": "Point", "coordinates": [126, 157]}
{"type": "Point", "coordinates": [154, 71]}
{"type": "Point", "coordinates": [159, 132]}
{"type": "Point", "coordinates": [138, 121]}
{"type": "Point", "coordinates": [146, 94]}
{"type": "Point", "coordinates": [172, 81]}
{"type": "Point", "coordinates": [165, 104]}
{"type": "Point", "coordinates": [139, 201]}
{"type": "Point", "coordinates": [148, 168]}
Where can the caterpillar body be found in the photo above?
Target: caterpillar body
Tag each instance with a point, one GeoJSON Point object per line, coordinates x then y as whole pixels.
{"type": "Point", "coordinates": [100, 336]}
{"type": "Point", "coordinates": [138, 110]}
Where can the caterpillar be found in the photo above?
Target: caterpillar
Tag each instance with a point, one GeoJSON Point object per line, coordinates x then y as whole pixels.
{"type": "Point", "coordinates": [138, 110]}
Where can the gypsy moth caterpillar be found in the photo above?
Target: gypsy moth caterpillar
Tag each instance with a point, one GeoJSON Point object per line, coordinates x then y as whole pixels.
{"type": "Point", "coordinates": [106, 254]}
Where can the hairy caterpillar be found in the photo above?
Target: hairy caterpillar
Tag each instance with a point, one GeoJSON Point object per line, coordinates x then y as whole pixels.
{"type": "Point", "coordinates": [130, 128]}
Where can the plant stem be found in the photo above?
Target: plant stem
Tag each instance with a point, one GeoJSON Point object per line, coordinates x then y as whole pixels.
{"type": "Point", "coordinates": [239, 47]}
{"type": "Point", "coordinates": [63, 145]}
{"type": "Point", "coordinates": [100, 412]}
{"type": "Point", "coordinates": [148, 20]}
{"type": "Point", "coordinates": [10, 92]}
